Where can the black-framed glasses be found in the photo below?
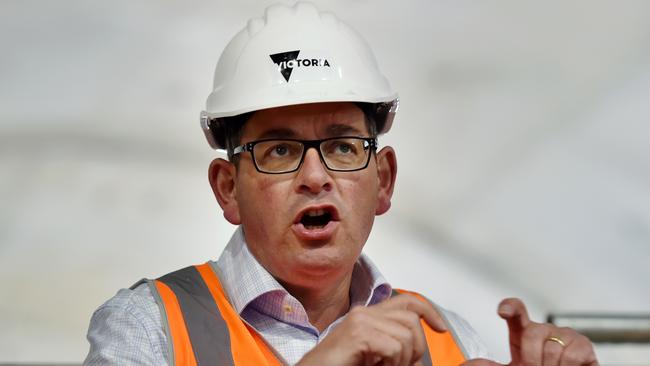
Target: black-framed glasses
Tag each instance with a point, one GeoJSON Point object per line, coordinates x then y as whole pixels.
{"type": "Point", "coordinates": [340, 154]}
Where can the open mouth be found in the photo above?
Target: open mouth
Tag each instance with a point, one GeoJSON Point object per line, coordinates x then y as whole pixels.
{"type": "Point", "coordinates": [317, 218]}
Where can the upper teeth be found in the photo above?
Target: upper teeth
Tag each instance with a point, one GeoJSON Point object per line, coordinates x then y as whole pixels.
{"type": "Point", "coordinates": [313, 213]}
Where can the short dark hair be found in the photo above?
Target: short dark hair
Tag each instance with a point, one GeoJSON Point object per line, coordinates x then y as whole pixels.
{"type": "Point", "coordinates": [232, 130]}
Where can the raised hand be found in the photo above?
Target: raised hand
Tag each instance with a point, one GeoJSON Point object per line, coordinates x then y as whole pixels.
{"type": "Point", "coordinates": [537, 344]}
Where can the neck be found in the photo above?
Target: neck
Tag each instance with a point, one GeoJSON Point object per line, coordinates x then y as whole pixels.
{"type": "Point", "coordinates": [323, 304]}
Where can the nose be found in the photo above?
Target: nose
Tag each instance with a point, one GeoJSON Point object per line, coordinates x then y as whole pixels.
{"type": "Point", "coordinates": [313, 177]}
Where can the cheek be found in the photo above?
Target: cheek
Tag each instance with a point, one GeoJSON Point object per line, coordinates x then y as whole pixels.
{"type": "Point", "coordinates": [272, 191]}
{"type": "Point", "coordinates": [360, 202]}
{"type": "Point", "coordinates": [261, 199]}
{"type": "Point", "coordinates": [360, 194]}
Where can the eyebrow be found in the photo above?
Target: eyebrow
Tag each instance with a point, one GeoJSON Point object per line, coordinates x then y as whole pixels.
{"type": "Point", "coordinates": [340, 129]}
{"type": "Point", "coordinates": [277, 133]}
{"type": "Point", "coordinates": [334, 130]}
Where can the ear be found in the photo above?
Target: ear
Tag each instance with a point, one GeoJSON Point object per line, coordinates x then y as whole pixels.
{"type": "Point", "coordinates": [222, 175]}
{"type": "Point", "coordinates": [386, 173]}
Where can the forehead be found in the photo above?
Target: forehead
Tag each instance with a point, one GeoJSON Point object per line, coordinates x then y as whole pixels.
{"type": "Point", "coordinates": [307, 121]}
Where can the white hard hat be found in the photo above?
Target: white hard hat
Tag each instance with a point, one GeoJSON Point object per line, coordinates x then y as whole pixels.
{"type": "Point", "coordinates": [295, 55]}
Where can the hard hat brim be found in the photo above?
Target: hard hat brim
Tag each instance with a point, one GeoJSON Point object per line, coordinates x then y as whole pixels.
{"type": "Point", "coordinates": [383, 114]}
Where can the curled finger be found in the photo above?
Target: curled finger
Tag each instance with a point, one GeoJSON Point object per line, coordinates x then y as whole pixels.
{"type": "Point", "coordinates": [411, 321]}
{"type": "Point", "coordinates": [579, 351]}
{"type": "Point", "coordinates": [401, 334]}
{"type": "Point", "coordinates": [419, 305]}
{"type": "Point", "coordinates": [553, 348]}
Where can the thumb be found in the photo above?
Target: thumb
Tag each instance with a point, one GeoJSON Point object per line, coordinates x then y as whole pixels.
{"type": "Point", "coordinates": [480, 362]}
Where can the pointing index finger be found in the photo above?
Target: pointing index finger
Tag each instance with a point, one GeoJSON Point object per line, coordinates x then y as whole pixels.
{"type": "Point", "coordinates": [513, 311]}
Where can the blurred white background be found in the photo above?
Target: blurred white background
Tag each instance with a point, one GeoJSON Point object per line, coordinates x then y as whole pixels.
{"type": "Point", "coordinates": [522, 140]}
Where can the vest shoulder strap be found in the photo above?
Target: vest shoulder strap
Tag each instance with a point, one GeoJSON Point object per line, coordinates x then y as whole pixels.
{"type": "Point", "coordinates": [202, 327]}
{"type": "Point", "coordinates": [443, 348]}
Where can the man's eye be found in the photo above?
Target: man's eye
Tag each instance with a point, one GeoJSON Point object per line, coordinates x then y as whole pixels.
{"type": "Point", "coordinates": [280, 150]}
{"type": "Point", "coordinates": [343, 148]}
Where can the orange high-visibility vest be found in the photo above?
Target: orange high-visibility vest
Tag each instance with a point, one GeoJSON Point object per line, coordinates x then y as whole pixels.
{"type": "Point", "coordinates": [204, 329]}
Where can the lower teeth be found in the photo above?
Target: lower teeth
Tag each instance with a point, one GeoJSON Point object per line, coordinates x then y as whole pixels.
{"type": "Point", "coordinates": [310, 227]}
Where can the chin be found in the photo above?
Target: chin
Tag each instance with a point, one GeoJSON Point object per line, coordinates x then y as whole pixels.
{"type": "Point", "coordinates": [323, 261]}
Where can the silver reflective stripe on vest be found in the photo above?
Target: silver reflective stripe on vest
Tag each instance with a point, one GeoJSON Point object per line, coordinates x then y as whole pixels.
{"type": "Point", "coordinates": [207, 330]}
{"type": "Point", "coordinates": [452, 330]}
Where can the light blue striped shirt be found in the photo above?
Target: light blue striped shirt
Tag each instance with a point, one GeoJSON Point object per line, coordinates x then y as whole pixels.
{"type": "Point", "coordinates": [128, 329]}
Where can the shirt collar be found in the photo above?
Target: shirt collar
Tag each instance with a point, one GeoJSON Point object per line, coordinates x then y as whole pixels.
{"type": "Point", "coordinates": [242, 276]}
{"type": "Point", "coordinates": [368, 286]}
{"type": "Point", "coordinates": [244, 279]}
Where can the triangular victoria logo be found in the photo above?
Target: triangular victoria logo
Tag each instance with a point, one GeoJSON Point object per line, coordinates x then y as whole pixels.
{"type": "Point", "coordinates": [282, 60]}
{"type": "Point", "coordinates": [287, 61]}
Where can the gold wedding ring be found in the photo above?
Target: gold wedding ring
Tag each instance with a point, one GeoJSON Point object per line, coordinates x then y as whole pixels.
{"type": "Point", "coordinates": [557, 340]}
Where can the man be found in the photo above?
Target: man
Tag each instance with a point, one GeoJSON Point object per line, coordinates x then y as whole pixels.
{"type": "Point", "coordinates": [298, 103]}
